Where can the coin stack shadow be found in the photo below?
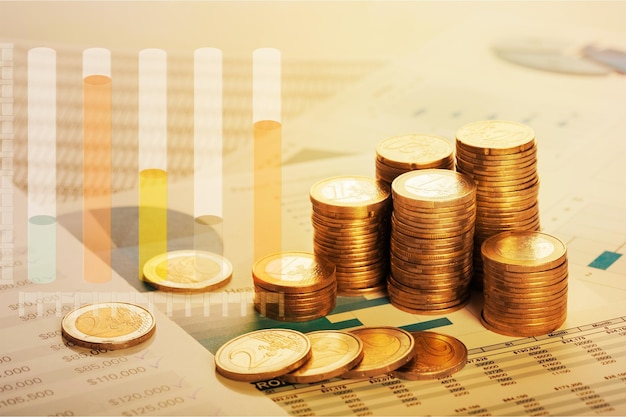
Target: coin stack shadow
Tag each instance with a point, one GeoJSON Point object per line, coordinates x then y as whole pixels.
{"type": "Point", "coordinates": [525, 283]}
{"type": "Point", "coordinates": [294, 286]}
{"type": "Point", "coordinates": [431, 245]}
{"type": "Point", "coordinates": [350, 220]}
{"type": "Point", "coordinates": [396, 155]}
{"type": "Point", "coordinates": [501, 158]}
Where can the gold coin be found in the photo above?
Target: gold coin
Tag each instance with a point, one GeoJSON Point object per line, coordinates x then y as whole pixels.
{"type": "Point", "coordinates": [293, 271]}
{"type": "Point", "coordinates": [524, 251]}
{"type": "Point", "coordinates": [495, 137]}
{"type": "Point", "coordinates": [414, 151]}
{"type": "Point", "coordinates": [108, 325]}
{"type": "Point", "coordinates": [334, 352]}
{"type": "Point", "coordinates": [436, 356]}
{"type": "Point", "coordinates": [432, 188]}
{"type": "Point", "coordinates": [188, 271]}
{"type": "Point", "coordinates": [385, 349]}
{"type": "Point", "coordinates": [350, 195]}
{"type": "Point", "coordinates": [263, 354]}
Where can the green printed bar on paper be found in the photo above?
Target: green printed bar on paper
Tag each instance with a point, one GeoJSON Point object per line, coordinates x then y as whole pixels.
{"type": "Point", "coordinates": [605, 260]}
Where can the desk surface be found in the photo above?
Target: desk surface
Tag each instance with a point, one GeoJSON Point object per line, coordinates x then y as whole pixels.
{"type": "Point", "coordinates": [420, 67]}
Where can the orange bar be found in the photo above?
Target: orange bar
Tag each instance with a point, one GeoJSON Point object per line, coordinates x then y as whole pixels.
{"type": "Point", "coordinates": [267, 187]}
{"type": "Point", "coordinates": [97, 178]}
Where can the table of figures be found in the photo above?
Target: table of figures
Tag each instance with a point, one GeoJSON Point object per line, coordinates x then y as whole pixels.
{"type": "Point", "coordinates": [556, 374]}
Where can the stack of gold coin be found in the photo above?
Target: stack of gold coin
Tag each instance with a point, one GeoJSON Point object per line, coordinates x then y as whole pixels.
{"type": "Point", "coordinates": [396, 155]}
{"type": "Point", "coordinates": [431, 249]}
{"type": "Point", "coordinates": [294, 286]}
{"type": "Point", "coordinates": [501, 157]}
{"type": "Point", "coordinates": [350, 221]}
{"type": "Point", "coordinates": [524, 283]}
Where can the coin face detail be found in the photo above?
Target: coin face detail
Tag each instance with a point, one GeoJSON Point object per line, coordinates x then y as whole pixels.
{"type": "Point", "coordinates": [263, 354]}
{"type": "Point", "coordinates": [525, 250]}
{"type": "Point", "coordinates": [496, 135]}
{"type": "Point", "coordinates": [417, 149]}
{"type": "Point", "coordinates": [436, 356]}
{"type": "Point", "coordinates": [109, 325]}
{"type": "Point", "coordinates": [333, 353]}
{"type": "Point", "coordinates": [385, 349]}
{"type": "Point", "coordinates": [188, 271]}
{"type": "Point", "coordinates": [349, 191]}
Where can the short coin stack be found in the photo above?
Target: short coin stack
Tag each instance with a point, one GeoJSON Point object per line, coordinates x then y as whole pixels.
{"type": "Point", "coordinates": [525, 283]}
{"type": "Point", "coordinates": [294, 286]}
{"type": "Point", "coordinates": [396, 155]}
{"type": "Point", "coordinates": [501, 157]}
{"type": "Point", "coordinates": [350, 221]}
{"type": "Point", "coordinates": [432, 231]}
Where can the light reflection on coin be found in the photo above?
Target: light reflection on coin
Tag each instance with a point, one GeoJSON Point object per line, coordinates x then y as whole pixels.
{"type": "Point", "coordinates": [385, 349]}
{"type": "Point", "coordinates": [188, 271]}
{"type": "Point", "coordinates": [436, 356]}
{"type": "Point", "coordinates": [109, 325]}
{"type": "Point", "coordinates": [263, 354]}
{"type": "Point", "coordinates": [333, 353]}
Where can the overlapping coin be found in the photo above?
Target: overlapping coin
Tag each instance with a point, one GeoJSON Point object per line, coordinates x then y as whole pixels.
{"type": "Point", "coordinates": [436, 356]}
{"type": "Point", "coordinates": [431, 244]}
{"type": "Point", "coordinates": [263, 354]}
{"type": "Point", "coordinates": [525, 283]}
{"type": "Point", "coordinates": [334, 352]}
{"type": "Point", "coordinates": [396, 155]}
{"type": "Point", "coordinates": [108, 325]}
{"type": "Point", "coordinates": [385, 349]}
{"type": "Point", "coordinates": [294, 286]}
{"type": "Point", "coordinates": [350, 219]}
{"type": "Point", "coordinates": [501, 157]}
{"type": "Point", "coordinates": [188, 271]}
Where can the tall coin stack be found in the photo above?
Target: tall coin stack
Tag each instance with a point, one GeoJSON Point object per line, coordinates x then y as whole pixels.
{"type": "Point", "coordinates": [432, 240]}
{"type": "Point", "coordinates": [350, 219]}
{"type": "Point", "coordinates": [294, 286]}
{"type": "Point", "coordinates": [525, 283]}
{"type": "Point", "coordinates": [396, 155]}
{"type": "Point", "coordinates": [501, 157]}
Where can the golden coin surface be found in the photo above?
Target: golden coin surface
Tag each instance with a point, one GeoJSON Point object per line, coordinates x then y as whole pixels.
{"type": "Point", "coordinates": [495, 136]}
{"type": "Point", "coordinates": [521, 251]}
{"type": "Point", "coordinates": [262, 354]}
{"type": "Point", "coordinates": [413, 150]}
{"type": "Point", "coordinates": [436, 356]}
{"type": "Point", "coordinates": [349, 192]}
{"type": "Point", "coordinates": [188, 271]}
{"type": "Point", "coordinates": [434, 187]}
{"type": "Point", "coordinates": [108, 325]}
{"type": "Point", "coordinates": [333, 353]}
{"type": "Point", "coordinates": [385, 349]}
{"type": "Point", "coordinates": [293, 271]}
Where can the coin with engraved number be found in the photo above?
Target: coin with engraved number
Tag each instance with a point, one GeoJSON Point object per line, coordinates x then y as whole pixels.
{"type": "Point", "coordinates": [108, 325]}
{"type": "Point", "coordinates": [334, 352]}
{"type": "Point", "coordinates": [436, 356]}
{"type": "Point", "coordinates": [385, 349]}
{"type": "Point", "coordinates": [263, 354]}
{"type": "Point", "coordinates": [188, 271]}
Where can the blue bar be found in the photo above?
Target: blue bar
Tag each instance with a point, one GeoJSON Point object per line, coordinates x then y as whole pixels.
{"type": "Point", "coordinates": [605, 260]}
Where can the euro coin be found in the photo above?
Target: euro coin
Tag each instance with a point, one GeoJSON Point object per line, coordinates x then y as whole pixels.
{"type": "Point", "coordinates": [524, 251]}
{"type": "Point", "coordinates": [262, 354]}
{"type": "Point", "coordinates": [436, 356]}
{"type": "Point", "coordinates": [384, 350]}
{"type": "Point", "coordinates": [108, 325]}
{"type": "Point", "coordinates": [333, 352]}
{"type": "Point", "coordinates": [188, 271]}
{"type": "Point", "coordinates": [495, 137]}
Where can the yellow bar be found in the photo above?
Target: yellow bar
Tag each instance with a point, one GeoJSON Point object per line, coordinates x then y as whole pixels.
{"type": "Point", "coordinates": [152, 215]}
{"type": "Point", "coordinates": [97, 178]}
{"type": "Point", "coordinates": [267, 187]}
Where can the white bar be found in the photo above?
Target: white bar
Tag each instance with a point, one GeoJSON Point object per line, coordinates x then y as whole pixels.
{"type": "Point", "coordinates": [152, 109]}
{"type": "Point", "coordinates": [208, 139]}
{"type": "Point", "coordinates": [41, 132]}
{"type": "Point", "coordinates": [96, 61]}
{"type": "Point", "coordinates": [266, 85]}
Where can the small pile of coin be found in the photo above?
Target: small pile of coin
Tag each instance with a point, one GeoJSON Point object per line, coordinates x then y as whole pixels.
{"type": "Point", "coordinates": [294, 286]}
{"type": "Point", "coordinates": [364, 352]}
{"type": "Point", "coordinates": [524, 283]}
{"type": "Point", "coordinates": [501, 157]}
{"type": "Point", "coordinates": [350, 220]}
{"type": "Point", "coordinates": [431, 245]}
{"type": "Point", "coordinates": [396, 155]}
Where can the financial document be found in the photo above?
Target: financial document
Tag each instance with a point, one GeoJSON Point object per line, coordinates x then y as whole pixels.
{"type": "Point", "coordinates": [579, 369]}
